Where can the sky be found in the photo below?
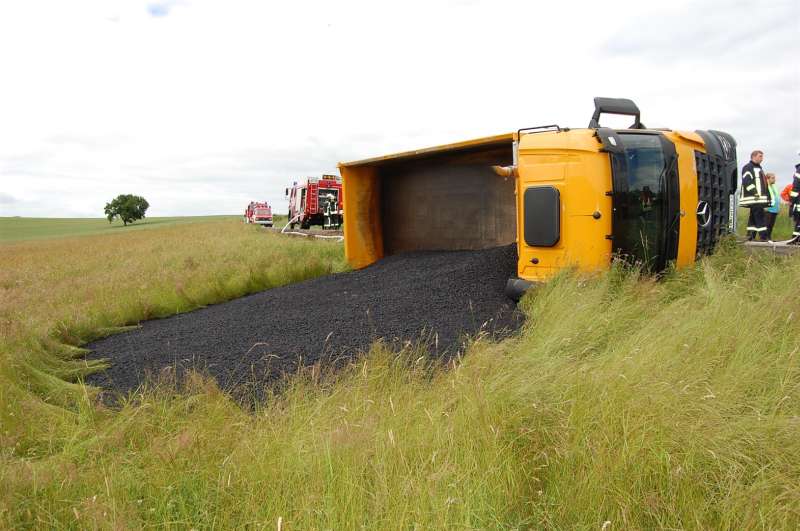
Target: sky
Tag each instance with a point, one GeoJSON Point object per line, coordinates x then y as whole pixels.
{"type": "Point", "coordinates": [202, 106]}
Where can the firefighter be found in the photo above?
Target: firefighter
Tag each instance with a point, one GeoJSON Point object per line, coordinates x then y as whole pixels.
{"type": "Point", "coordinates": [336, 218]}
{"type": "Point", "coordinates": [755, 196]}
{"type": "Point", "coordinates": [794, 206]}
{"type": "Point", "coordinates": [328, 210]}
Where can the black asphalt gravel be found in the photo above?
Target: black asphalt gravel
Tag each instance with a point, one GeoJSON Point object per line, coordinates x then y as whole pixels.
{"type": "Point", "coordinates": [436, 297]}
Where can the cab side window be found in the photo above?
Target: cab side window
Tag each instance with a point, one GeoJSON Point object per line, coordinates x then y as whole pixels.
{"type": "Point", "coordinates": [542, 216]}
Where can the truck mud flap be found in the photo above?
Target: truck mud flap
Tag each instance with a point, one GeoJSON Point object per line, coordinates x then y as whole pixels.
{"type": "Point", "coordinates": [516, 288]}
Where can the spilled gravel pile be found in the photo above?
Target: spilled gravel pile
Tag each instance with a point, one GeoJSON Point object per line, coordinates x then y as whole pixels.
{"type": "Point", "coordinates": [436, 297]}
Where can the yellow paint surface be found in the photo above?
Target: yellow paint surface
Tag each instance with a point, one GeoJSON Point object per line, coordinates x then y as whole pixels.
{"type": "Point", "coordinates": [568, 160]}
{"type": "Point", "coordinates": [571, 162]}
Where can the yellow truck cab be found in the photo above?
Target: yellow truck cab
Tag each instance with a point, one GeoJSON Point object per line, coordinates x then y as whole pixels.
{"type": "Point", "coordinates": [566, 197]}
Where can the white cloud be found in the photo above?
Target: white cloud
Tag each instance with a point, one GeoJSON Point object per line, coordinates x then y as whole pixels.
{"type": "Point", "coordinates": [202, 106]}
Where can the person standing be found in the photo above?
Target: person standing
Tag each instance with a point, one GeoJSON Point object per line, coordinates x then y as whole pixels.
{"type": "Point", "coordinates": [755, 196]}
{"type": "Point", "coordinates": [771, 212]}
{"type": "Point", "coordinates": [794, 206]}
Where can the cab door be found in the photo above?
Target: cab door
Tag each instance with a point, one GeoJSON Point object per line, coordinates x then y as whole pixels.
{"type": "Point", "coordinates": [564, 212]}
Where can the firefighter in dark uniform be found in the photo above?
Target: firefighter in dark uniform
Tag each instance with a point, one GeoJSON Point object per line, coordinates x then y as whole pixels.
{"type": "Point", "coordinates": [329, 208]}
{"type": "Point", "coordinates": [755, 196]}
{"type": "Point", "coordinates": [794, 206]}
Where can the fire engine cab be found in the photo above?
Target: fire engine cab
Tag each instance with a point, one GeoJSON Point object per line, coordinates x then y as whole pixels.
{"type": "Point", "coordinates": [259, 213]}
{"type": "Point", "coordinates": [316, 202]}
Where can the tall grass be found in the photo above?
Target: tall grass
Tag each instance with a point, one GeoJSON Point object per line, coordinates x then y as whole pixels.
{"type": "Point", "coordinates": [670, 404]}
{"type": "Point", "coordinates": [59, 294]}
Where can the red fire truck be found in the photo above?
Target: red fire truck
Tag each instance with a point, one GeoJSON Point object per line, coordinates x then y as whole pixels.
{"type": "Point", "coordinates": [260, 213]}
{"type": "Point", "coordinates": [316, 202]}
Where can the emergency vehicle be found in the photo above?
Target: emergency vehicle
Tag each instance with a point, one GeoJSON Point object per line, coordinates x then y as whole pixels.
{"type": "Point", "coordinates": [316, 201]}
{"type": "Point", "coordinates": [258, 213]}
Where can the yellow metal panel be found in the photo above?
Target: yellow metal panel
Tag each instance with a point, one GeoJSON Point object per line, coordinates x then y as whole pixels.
{"type": "Point", "coordinates": [571, 140]}
{"type": "Point", "coordinates": [569, 161]}
{"type": "Point", "coordinates": [363, 234]}
{"type": "Point", "coordinates": [685, 144]}
{"type": "Point", "coordinates": [456, 146]}
{"type": "Point", "coordinates": [689, 137]}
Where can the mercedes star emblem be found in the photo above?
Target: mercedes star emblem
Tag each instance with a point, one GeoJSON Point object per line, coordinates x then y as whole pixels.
{"type": "Point", "coordinates": [703, 214]}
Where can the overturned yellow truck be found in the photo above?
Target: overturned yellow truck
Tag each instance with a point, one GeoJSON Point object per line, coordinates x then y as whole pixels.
{"type": "Point", "coordinates": [567, 197]}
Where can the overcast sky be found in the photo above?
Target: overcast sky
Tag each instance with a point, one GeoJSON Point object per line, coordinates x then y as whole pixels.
{"type": "Point", "coordinates": [201, 106]}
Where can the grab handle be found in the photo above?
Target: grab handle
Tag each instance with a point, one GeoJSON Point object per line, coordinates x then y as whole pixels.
{"type": "Point", "coordinates": [621, 106]}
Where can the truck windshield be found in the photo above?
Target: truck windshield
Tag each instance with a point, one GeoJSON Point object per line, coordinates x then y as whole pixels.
{"type": "Point", "coordinates": [640, 233]}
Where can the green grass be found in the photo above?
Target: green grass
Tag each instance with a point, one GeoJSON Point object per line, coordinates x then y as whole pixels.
{"type": "Point", "coordinates": [645, 404]}
{"type": "Point", "coordinates": [20, 229]}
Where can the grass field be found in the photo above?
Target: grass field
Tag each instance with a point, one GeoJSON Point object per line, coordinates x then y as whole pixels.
{"type": "Point", "coordinates": [20, 229]}
{"type": "Point", "coordinates": [671, 404]}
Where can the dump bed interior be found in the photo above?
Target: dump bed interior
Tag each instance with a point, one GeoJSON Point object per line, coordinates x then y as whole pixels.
{"type": "Point", "coordinates": [442, 198]}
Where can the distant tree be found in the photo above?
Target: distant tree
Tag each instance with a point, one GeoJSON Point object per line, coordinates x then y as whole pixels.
{"type": "Point", "coordinates": [126, 207]}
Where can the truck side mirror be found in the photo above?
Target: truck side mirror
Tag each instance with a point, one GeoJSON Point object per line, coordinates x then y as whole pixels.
{"type": "Point", "coordinates": [287, 192]}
